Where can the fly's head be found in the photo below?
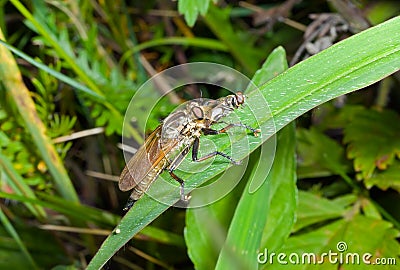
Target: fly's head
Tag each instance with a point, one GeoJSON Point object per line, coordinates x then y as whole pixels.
{"type": "Point", "coordinates": [226, 105]}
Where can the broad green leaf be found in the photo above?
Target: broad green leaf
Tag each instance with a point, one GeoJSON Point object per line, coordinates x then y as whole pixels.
{"type": "Point", "coordinates": [313, 209]}
{"type": "Point", "coordinates": [319, 155]}
{"type": "Point", "coordinates": [389, 178]}
{"type": "Point", "coordinates": [347, 66]}
{"type": "Point", "coordinates": [346, 237]}
{"type": "Point", "coordinates": [283, 197]}
{"type": "Point", "coordinates": [369, 209]}
{"type": "Point", "coordinates": [373, 138]}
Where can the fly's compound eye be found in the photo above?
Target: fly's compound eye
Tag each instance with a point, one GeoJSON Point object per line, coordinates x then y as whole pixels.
{"type": "Point", "coordinates": [240, 98]}
{"type": "Point", "coordinates": [216, 114]}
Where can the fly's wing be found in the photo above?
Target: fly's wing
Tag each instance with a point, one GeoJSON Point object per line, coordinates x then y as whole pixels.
{"type": "Point", "coordinates": [144, 161]}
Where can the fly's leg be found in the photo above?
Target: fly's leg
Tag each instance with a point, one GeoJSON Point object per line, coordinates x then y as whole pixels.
{"type": "Point", "coordinates": [195, 152]}
{"type": "Point", "coordinates": [182, 183]}
{"type": "Point", "coordinates": [129, 204]}
{"type": "Point", "coordinates": [210, 131]}
{"type": "Point", "coordinates": [174, 164]}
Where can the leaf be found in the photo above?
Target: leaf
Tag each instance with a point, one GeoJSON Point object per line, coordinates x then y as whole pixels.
{"type": "Point", "coordinates": [248, 55]}
{"type": "Point", "coordinates": [313, 209]}
{"type": "Point", "coordinates": [348, 234]}
{"type": "Point", "coordinates": [18, 185]}
{"type": "Point", "coordinates": [338, 70]}
{"type": "Point", "coordinates": [192, 8]}
{"type": "Point", "coordinates": [206, 227]}
{"type": "Point", "coordinates": [15, 87]}
{"type": "Point", "coordinates": [11, 231]}
{"type": "Point", "coordinates": [318, 154]}
{"type": "Point", "coordinates": [374, 140]}
{"type": "Point", "coordinates": [254, 211]}
{"type": "Point", "coordinates": [44, 255]}
{"type": "Point", "coordinates": [389, 178]}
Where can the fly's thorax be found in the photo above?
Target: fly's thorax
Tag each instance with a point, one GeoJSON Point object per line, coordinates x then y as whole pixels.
{"type": "Point", "coordinates": [173, 125]}
{"type": "Point", "coordinates": [180, 121]}
{"type": "Point", "coordinates": [190, 118]}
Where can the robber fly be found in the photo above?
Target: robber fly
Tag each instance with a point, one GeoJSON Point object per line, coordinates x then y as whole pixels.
{"type": "Point", "coordinates": [167, 146]}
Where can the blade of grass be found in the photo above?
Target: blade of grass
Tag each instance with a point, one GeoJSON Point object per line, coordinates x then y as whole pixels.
{"type": "Point", "coordinates": [204, 236]}
{"type": "Point", "coordinates": [43, 30]}
{"type": "Point", "coordinates": [197, 42]}
{"type": "Point", "coordinates": [54, 73]}
{"type": "Point", "coordinates": [246, 54]}
{"type": "Point", "coordinates": [97, 216]}
{"type": "Point", "coordinates": [95, 96]}
{"type": "Point", "coordinates": [207, 226]}
{"type": "Point", "coordinates": [52, 40]}
{"type": "Point", "coordinates": [10, 229]}
{"type": "Point", "coordinates": [16, 89]}
{"type": "Point", "coordinates": [254, 209]}
{"type": "Point", "coordinates": [347, 66]}
{"type": "Point", "coordinates": [16, 182]}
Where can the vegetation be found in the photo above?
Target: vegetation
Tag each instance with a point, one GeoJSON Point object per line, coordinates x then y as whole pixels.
{"type": "Point", "coordinates": [69, 69]}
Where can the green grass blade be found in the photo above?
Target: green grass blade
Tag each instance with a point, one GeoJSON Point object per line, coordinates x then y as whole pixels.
{"type": "Point", "coordinates": [52, 72]}
{"type": "Point", "coordinates": [206, 43]}
{"type": "Point", "coordinates": [72, 62]}
{"type": "Point", "coordinates": [17, 183]}
{"type": "Point", "coordinates": [10, 229]}
{"type": "Point", "coordinates": [219, 22]}
{"type": "Point", "coordinates": [347, 66]}
{"type": "Point", "coordinates": [16, 89]}
{"type": "Point", "coordinates": [89, 214]}
{"type": "Point", "coordinates": [254, 209]}
{"type": "Point", "coordinates": [43, 30]}
{"type": "Point", "coordinates": [206, 227]}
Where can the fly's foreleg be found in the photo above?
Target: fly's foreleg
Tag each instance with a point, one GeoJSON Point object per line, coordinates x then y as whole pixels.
{"type": "Point", "coordinates": [195, 152]}
{"type": "Point", "coordinates": [182, 184]}
{"type": "Point", "coordinates": [210, 131]}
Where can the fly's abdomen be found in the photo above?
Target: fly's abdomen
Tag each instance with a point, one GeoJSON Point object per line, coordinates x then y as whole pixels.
{"type": "Point", "coordinates": [144, 185]}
